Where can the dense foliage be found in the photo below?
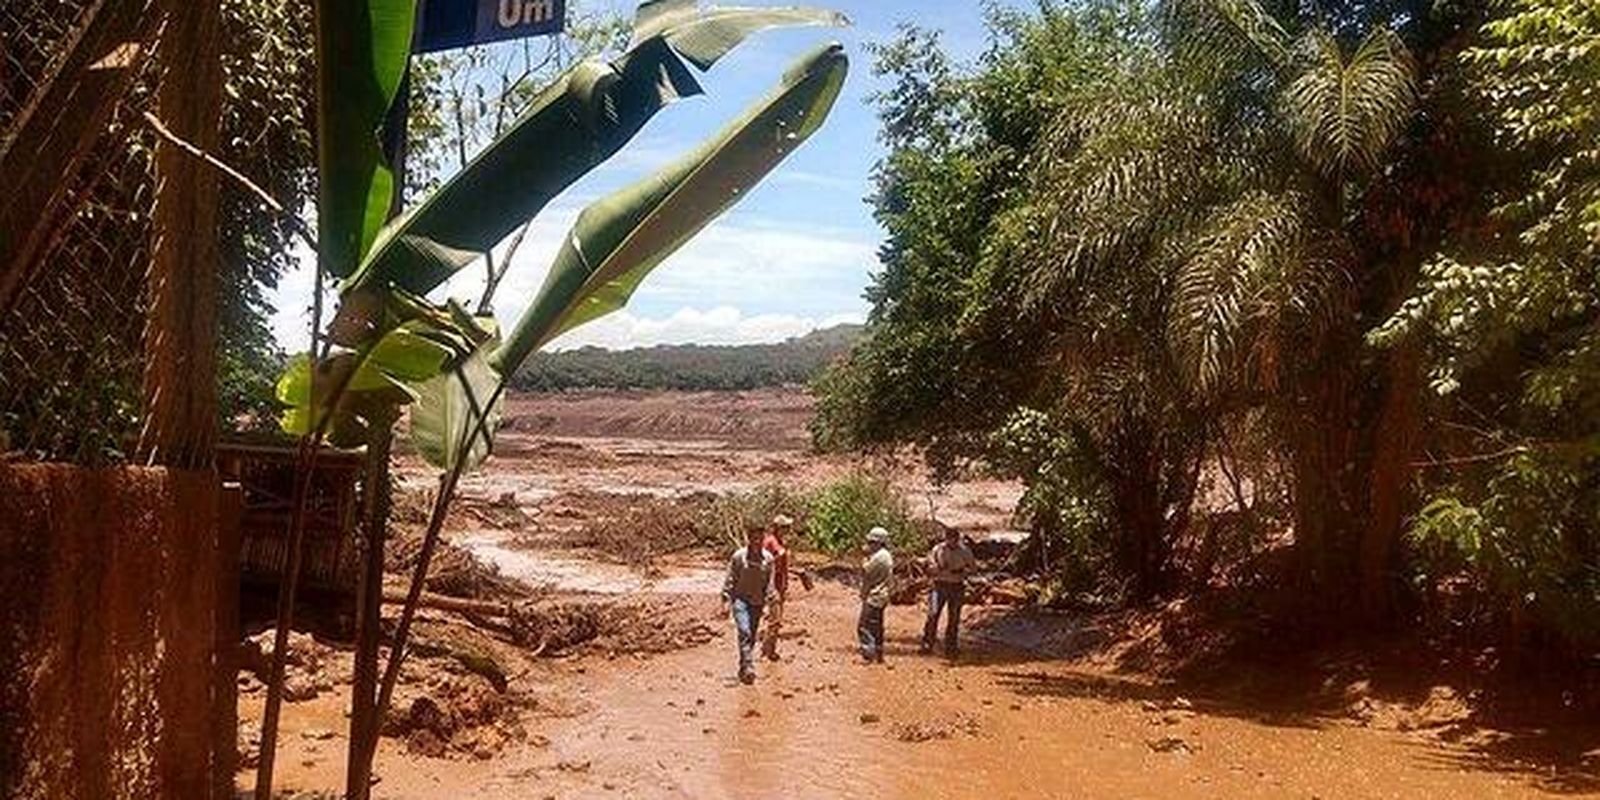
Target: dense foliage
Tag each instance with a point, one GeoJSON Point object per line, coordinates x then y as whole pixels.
{"type": "Point", "coordinates": [267, 65]}
{"type": "Point", "coordinates": [1509, 312]}
{"type": "Point", "coordinates": [1297, 249]}
{"type": "Point", "coordinates": [689, 367]}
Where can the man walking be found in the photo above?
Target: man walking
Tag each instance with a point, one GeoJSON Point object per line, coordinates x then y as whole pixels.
{"type": "Point", "coordinates": [776, 546]}
{"type": "Point", "coordinates": [744, 593]}
{"type": "Point", "coordinates": [949, 563]}
{"type": "Point", "coordinates": [877, 570]}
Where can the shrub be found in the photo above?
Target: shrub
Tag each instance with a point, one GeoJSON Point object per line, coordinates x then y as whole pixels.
{"type": "Point", "coordinates": [840, 514]}
{"type": "Point", "coordinates": [727, 517]}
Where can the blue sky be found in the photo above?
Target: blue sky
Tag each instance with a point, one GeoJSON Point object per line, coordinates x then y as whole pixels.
{"type": "Point", "coordinates": [793, 255]}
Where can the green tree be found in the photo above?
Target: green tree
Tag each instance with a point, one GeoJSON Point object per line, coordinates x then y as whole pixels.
{"type": "Point", "coordinates": [1357, 135]}
{"type": "Point", "coordinates": [995, 307]}
{"type": "Point", "coordinates": [1166, 220]}
{"type": "Point", "coordinates": [267, 64]}
{"type": "Point", "coordinates": [1507, 317]}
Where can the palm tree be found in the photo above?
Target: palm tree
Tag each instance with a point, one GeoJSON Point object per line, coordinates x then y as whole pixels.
{"type": "Point", "coordinates": [1223, 190]}
{"type": "Point", "coordinates": [1276, 288]}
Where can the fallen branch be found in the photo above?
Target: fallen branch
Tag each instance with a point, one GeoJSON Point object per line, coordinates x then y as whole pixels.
{"type": "Point", "coordinates": [446, 603]}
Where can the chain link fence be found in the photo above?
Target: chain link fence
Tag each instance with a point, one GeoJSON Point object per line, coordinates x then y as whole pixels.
{"type": "Point", "coordinates": [72, 333]}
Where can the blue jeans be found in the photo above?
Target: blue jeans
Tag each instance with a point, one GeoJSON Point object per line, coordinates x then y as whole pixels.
{"type": "Point", "coordinates": [869, 629]}
{"type": "Point", "coordinates": [942, 596]}
{"type": "Point", "coordinates": [747, 619]}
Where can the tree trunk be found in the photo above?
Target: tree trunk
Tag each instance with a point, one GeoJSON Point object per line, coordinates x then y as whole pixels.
{"type": "Point", "coordinates": [1137, 503]}
{"type": "Point", "coordinates": [180, 377]}
{"type": "Point", "coordinates": [1352, 434]}
{"type": "Point", "coordinates": [1390, 498]}
{"type": "Point", "coordinates": [1323, 428]}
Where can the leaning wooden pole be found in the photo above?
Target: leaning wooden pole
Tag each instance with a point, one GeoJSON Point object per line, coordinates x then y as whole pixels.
{"type": "Point", "coordinates": [288, 585]}
{"type": "Point", "coordinates": [369, 609]}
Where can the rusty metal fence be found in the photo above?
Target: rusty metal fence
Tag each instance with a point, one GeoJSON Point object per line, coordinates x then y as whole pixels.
{"type": "Point", "coordinates": [72, 312]}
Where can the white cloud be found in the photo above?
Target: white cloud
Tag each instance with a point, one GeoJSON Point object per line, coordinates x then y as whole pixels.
{"type": "Point", "coordinates": [798, 177]}
{"type": "Point", "coordinates": [291, 301]}
{"type": "Point", "coordinates": [721, 325]}
{"type": "Point", "coordinates": [760, 281]}
{"type": "Point", "coordinates": [762, 268]}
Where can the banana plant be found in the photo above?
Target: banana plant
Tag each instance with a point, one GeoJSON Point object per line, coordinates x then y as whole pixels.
{"type": "Point", "coordinates": [396, 347]}
{"type": "Point", "coordinates": [389, 346]}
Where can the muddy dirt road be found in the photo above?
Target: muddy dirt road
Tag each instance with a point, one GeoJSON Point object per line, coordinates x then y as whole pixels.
{"type": "Point", "coordinates": [1002, 723]}
{"type": "Point", "coordinates": [1006, 721]}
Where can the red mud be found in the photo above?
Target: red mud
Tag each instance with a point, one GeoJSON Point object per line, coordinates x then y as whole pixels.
{"type": "Point", "coordinates": [1034, 709]}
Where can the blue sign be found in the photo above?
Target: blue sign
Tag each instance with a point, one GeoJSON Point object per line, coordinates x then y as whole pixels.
{"type": "Point", "coordinates": [447, 24]}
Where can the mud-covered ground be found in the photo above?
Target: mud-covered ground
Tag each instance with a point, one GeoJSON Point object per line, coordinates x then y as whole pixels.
{"type": "Point", "coordinates": [617, 678]}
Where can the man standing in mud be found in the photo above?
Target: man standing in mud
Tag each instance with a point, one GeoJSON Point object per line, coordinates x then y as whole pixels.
{"type": "Point", "coordinates": [745, 592]}
{"type": "Point", "coordinates": [949, 563]}
{"type": "Point", "coordinates": [776, 546]}
{"type": "Point", "coordinates": [877, 570]}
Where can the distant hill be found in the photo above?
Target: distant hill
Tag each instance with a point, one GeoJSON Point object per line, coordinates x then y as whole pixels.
{"type": "Point", "coordinates": [690, 366]}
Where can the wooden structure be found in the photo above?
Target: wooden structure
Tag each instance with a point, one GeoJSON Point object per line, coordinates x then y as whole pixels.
{"type": "Point", "coordinates": [117, 677]}
{"type": "Point", "coordinates": [266, 473]}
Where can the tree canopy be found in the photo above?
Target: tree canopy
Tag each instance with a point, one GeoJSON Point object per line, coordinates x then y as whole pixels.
{"type": "Point", "coordinates": [1340, 256]}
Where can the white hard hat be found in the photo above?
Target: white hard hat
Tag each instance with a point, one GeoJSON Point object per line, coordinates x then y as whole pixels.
{"type": "Point", "coordinates": [878, 535]}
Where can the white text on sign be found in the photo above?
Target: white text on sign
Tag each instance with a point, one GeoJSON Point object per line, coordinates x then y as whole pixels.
{"type": "Point", "coordinates": [525, 12]}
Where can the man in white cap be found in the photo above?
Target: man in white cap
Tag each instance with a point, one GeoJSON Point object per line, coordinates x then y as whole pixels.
{"type": "Point", "coordinates": [776, 546]}
{"type": "Point", "coordinates": [877, 571]}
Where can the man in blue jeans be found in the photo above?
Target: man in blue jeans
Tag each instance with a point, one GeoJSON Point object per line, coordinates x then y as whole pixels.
{"type": "Point", "coordinates": [744, 593]}
{"type": "Point", "coordinates": [949, 563]}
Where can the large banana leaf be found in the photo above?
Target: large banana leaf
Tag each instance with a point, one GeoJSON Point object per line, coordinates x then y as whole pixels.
{"type": "Point", "coordinates": [579, 121]}
{"type": "Point", "coordinates": [705, 35]}
{"type": "Point", "coordinates": [362, 47]}
{"type": "Point", "coordinates": [447, 409]}
{"type": "Point", "coordinates": [618, 240]}
{"type": "Point", "coordinates": [390, 371]}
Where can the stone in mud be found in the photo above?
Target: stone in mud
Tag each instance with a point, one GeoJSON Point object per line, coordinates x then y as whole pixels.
{"type": "Point", "coordinates": [299, 687]}
{"type": "Point", "coordinates": [317, 734]}
{"type": "Point", "coordinates": [248, 745]}
{"type": "Point", "coordinates": [868, 718]}
{"type": "Point", "coordinates": [917, 732]}
{"type": "Point", "coordinates": [424, 742]}
{"type": "Point", "coordinates": [1170, 744]}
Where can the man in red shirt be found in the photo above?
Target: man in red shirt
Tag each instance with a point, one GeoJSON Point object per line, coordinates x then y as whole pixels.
{"type": "Point", "coordinates": [775, 546]}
